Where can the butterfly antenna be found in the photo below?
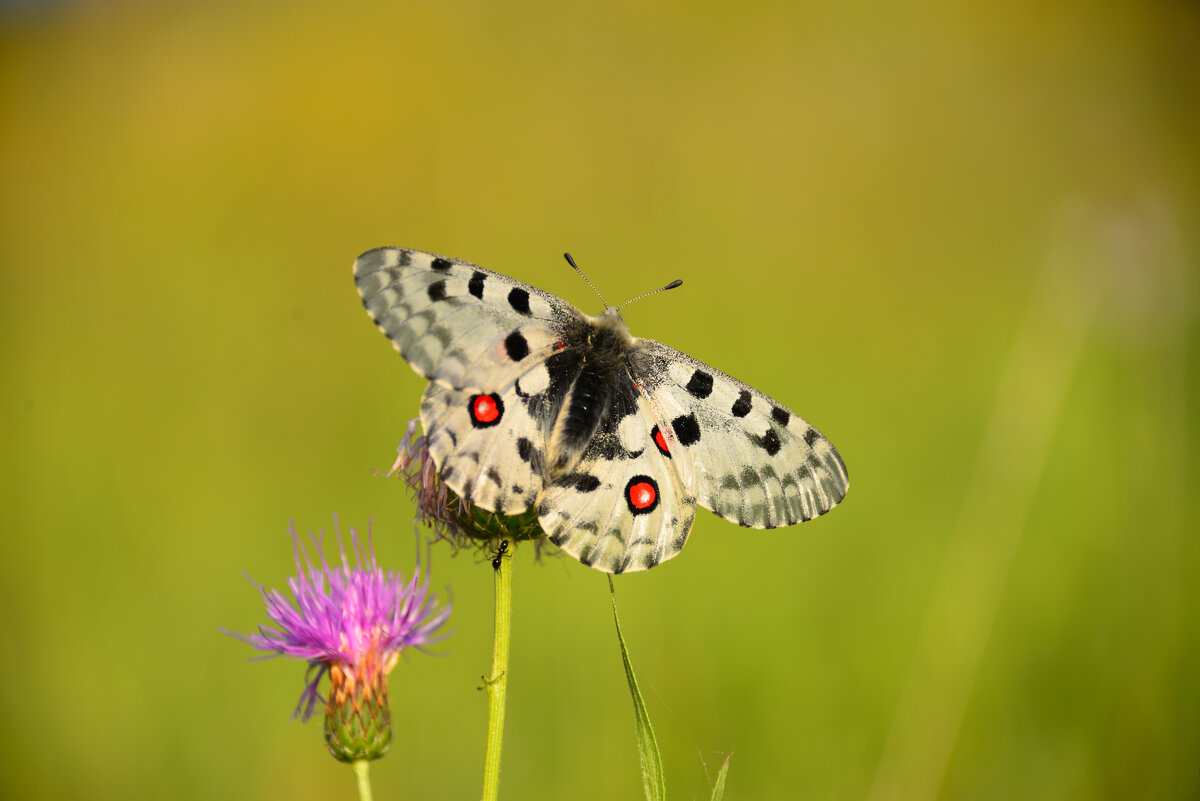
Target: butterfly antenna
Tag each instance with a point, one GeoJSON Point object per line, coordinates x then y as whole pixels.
{"type": "Point", "coordinates": [571, 262]}
{"type": "Point", "coordinates": [676, 283]}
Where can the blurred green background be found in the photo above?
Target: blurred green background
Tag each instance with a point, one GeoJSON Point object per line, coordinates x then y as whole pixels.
{"type": "Point", "coordinates": [960, 239]}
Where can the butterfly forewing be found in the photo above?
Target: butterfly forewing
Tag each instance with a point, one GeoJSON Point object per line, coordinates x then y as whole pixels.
{"type": "Point", "coordinates": [748, 458]}
{"type": "Point", "coordinates": [454, 321]}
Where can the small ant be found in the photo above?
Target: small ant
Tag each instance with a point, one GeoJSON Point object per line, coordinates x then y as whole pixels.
{"type": "Point", "coordinates": [501, 552]}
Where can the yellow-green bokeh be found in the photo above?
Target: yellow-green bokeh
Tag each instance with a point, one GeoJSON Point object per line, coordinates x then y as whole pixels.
{"type": "Point", "coordinates": [960, 239]}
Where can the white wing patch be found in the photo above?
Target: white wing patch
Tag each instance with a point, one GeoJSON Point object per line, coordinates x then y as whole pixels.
{"type": "Point", "coordinates": [634, 433]}
{"type": "Point", "coordinates": [536, 381]}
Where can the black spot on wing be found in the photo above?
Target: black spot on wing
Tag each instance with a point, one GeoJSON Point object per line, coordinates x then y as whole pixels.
{"type": "Point", "coordinates": [811, 436]}
{"type": "Point", "coordinates": [741, 407]}
{"type": "Point", "coordinates": [687, 430]}
{"type": "Point", "coordinates": [441, 265]}
{"type": "Point", "coordinates": [525, 449]}
{"type": "Point", "coordinates": [494, 475]}
{"type": "Point", "coordinates": [700, 385]}
{"type": "Point", "coordinates": [519, 300]}
{"type": "Point", "coordinates": [781, 416]}
{"type": "Point", "coordinates": [516, 346]}
{"type": "Point", "coordinates": [581, 482]}
{"type": "Point", "coordinates": [437, 291]}
{"type": "Point", "coordinates": [475, 285]}
{"type": "Point", "coordinates": [769, 442]}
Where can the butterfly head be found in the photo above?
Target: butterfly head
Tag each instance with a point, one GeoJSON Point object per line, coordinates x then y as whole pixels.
{"type": "Point", "coordinates": [613, 324]}
{"type": "Point", "coordinates": [613, 313]}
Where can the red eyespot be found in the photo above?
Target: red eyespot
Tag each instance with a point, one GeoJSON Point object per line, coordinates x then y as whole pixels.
{"type": "Point", "coordinates": [642, 495]}
{"type": "Point", "coordinates": [559, 346]}
{"type": "Point", "coordinates": [486, 410]}
{"type": "Point", "coordinates": [660, 441]}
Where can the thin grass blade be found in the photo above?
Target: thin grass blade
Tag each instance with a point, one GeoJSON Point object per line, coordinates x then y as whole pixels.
{"type": "Point", "coordinates": [651, 758]}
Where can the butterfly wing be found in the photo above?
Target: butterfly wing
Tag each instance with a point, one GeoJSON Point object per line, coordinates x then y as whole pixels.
{"type": "Point", "coordinates": [458, 323]}
{"type": "Point", "coordinates": [622, 508]}
{"type": "Point", "coordinates": [747, 458]}
{"type": "Point", "coordinates": [483, 340]}
{"type": "Point", "coordinates": [493, 463]}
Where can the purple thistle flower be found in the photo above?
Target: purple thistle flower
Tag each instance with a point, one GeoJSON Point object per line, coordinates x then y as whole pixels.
{"type": "Point", "coordinates": [351, 623]}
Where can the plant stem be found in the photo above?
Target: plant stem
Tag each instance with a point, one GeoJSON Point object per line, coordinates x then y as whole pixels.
{"type": "Point", "coordinates": [362, 772]}
{"type": "Point", "coordinates": [497, 683]}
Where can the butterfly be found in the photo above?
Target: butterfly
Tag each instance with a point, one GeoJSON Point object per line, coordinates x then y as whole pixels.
{"type": "Point", "coordinates": [614, 440]}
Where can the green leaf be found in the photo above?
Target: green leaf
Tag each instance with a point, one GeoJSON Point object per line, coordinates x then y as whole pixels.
{"type": "Point", "coordinates": [652, 769]}
{"type": "Point", "coordinates": [719, 787]}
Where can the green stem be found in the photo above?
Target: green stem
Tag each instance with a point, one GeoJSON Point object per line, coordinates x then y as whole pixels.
{"type": "Point", "coordinates": [362, 772]}
{"type": "Point", "coordinates": [497, 683]}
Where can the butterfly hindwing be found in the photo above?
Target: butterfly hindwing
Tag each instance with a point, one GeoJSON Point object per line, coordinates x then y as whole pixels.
{"type": "Point", "coordinates": [622, 508]}
{"type": "Point", "coordinates": [486, 445]}
{"type": "Point", "coordinates": [747, 458]}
